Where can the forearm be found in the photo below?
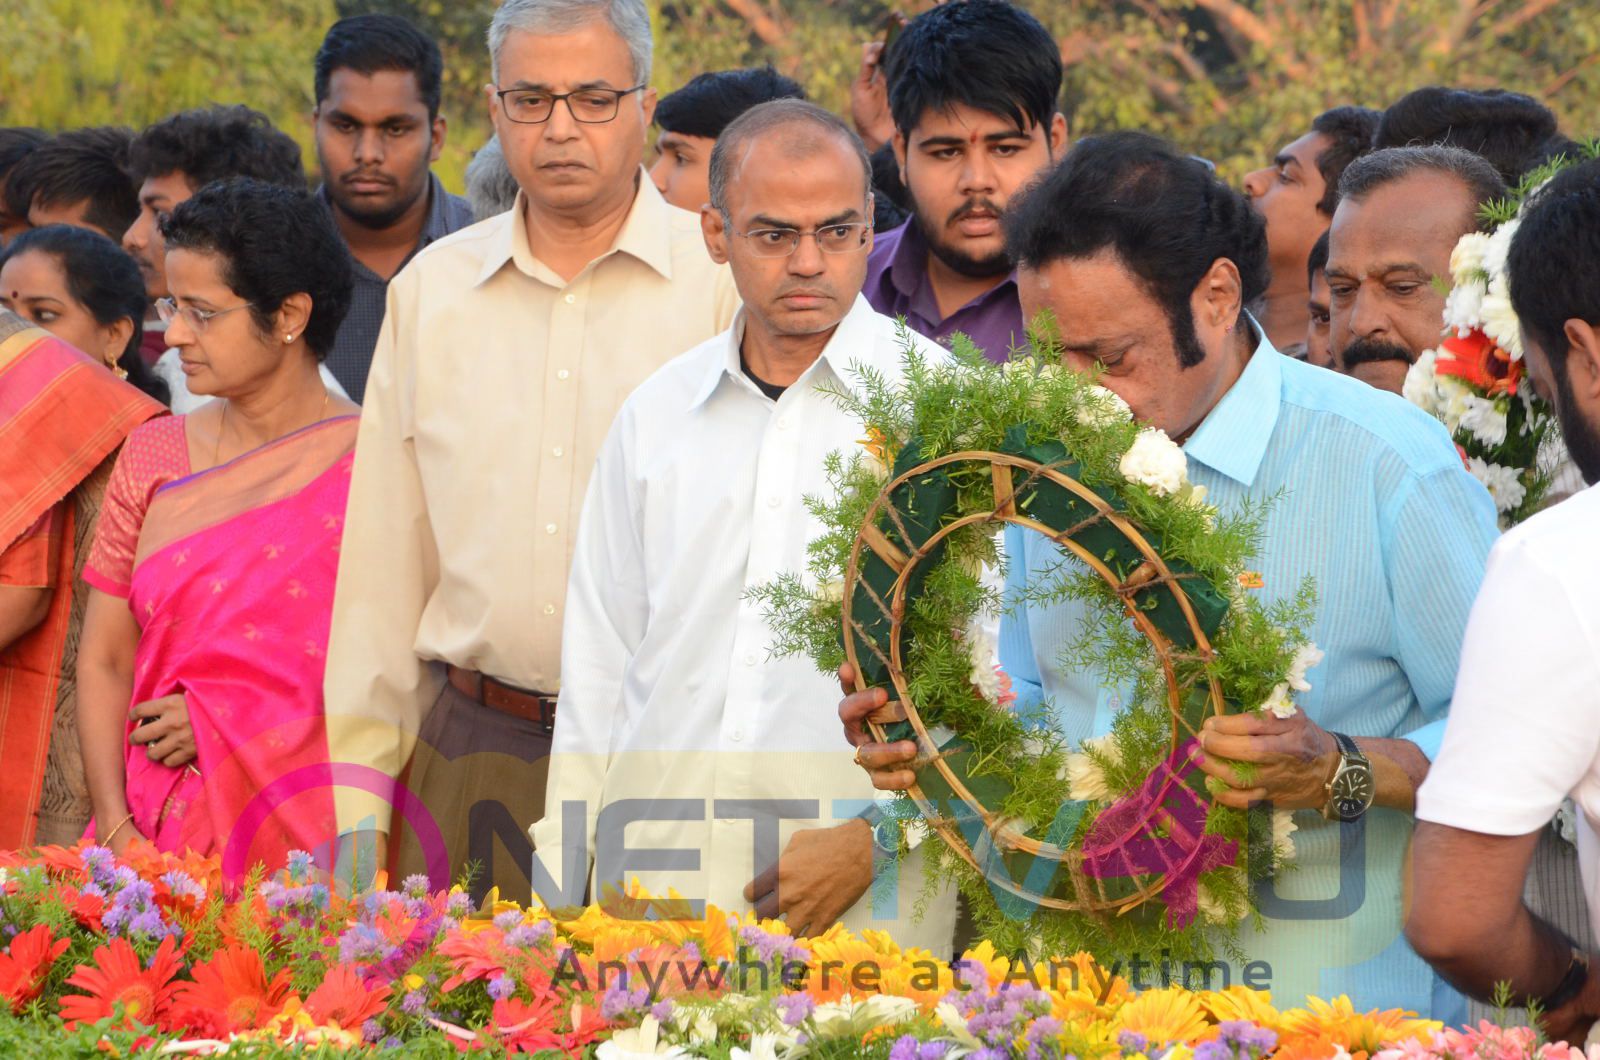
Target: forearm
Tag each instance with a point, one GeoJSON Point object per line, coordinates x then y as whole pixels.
{"type": "Point", "coordinates": [1398, 770]}
{"type": "Point", "coordinates": [104, 693]}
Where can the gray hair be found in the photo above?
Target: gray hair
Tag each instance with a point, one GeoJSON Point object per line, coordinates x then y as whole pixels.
{"type": "Point", "coordinates": [1372, 171]}
{"type": "Point", "coordinates": [762, 119]}
{"type": "Point", "coordinates": [491, 189]}
{"type": "Point", "coordinates": [628, 18]}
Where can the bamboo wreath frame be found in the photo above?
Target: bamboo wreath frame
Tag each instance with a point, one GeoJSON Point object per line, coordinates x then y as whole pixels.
{"type": "Point", "coordinates": [1088, 895]}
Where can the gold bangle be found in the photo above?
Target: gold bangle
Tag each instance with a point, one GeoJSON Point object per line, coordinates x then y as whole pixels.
{"type": "Point", "coordinates": [107, 840]}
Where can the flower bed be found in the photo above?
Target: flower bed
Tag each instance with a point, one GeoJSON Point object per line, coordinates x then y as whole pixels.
{"type": "Point", "coordinates": [149, 956]}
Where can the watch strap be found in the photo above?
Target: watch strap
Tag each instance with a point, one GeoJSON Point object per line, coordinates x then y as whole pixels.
{"type": "Point", "coordinates": [1571, 984]}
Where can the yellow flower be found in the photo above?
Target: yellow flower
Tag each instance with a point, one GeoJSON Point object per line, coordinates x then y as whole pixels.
{"type": "Point", "coordinates": [1169, 1015]}
{"type": "Point", "coordinates": [1338, 1021]}
{"type": "Point", "coordinates": [1239, 1003]}
{"type": "Point", "coordinates": [413, 982]}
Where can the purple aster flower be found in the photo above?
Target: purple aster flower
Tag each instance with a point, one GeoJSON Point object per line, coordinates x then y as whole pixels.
{"type": "Point", "coordinates": [1215, 1049]}
{"type": "Point", "coordinates": [459, 904]}
{"type": "Point", "coordinates": [372, 1030]}
{"type": "Point", "coordinates": [502, 987]}
{"type": "Point", "coordinates": [1132, 1042]}
{"type": "Point", "coordinates": [906, 1047]}
{"type": "Point", "coordinates": [795, 1009]}
{"type": "Point", "coordinates": [299, 865]}
{"type": "Point", "coordinates": [99, 863]}
{"type": "Point", "coordinates": [933, 1050]}
{"type": "Point", "coordinates": [183, 885]}
{"type": "Point", "coordinates": [508, 920]}
{"type": "Point", "coordinates": [1248, 1037]}
{"type": "Point", "coordinates": [415, 885]}
{"type": "Point", "coordinates": [417, 1000]}
{"type": "Point", "coordinates": [662, 1010]}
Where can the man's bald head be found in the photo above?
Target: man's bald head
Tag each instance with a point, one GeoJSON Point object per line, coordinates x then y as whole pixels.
{"type": "Point", "coordinates": [795, 127]}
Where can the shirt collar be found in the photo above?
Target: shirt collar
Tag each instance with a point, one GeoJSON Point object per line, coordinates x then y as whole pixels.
{"type": "Point", "coordinates": [852, 342]}
{"type": "Point", "coordinates": [908, 274]}
{"type": "Point", "coordinates": [646, 235]}
{"type": "Point", "coordinates": [1232, 439]}
{"type": "Point", "coordinates": [437, 225]}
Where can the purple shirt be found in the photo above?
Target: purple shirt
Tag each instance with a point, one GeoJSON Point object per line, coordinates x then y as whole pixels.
{"type": "Point", "coordinates": [898, 286]}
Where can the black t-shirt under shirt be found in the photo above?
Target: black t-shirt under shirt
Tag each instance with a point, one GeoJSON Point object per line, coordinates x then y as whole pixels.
{"type": "Point", "coordinates": [772, 390]}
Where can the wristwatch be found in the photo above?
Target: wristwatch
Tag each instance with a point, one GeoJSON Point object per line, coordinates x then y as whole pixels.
{"type": "Point", "coordinates": [1350, 789]}
{"type": "Point", "coordinates": [1573, 982]}
{"type": "Point", "coordinates": [885, 830]}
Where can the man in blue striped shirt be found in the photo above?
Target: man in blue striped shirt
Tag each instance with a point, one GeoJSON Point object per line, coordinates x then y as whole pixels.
{"type": "Point", "coordinates": [1147, 262]}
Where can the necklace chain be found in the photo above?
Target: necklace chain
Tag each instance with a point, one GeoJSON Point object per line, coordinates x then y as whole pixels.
{"type": "Point", "coordinates": [216, 454]}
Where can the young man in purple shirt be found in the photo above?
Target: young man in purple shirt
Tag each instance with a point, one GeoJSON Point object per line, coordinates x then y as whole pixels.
{"type": "Point", "coordinates": [972, 90]}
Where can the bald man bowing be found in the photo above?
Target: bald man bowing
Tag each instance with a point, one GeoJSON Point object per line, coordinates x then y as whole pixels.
{"type": "Point", "coordinates": [675, 721]}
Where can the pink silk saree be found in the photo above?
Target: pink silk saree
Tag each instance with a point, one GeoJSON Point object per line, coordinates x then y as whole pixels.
{"type": "Point", "coordinates": [233, 589]}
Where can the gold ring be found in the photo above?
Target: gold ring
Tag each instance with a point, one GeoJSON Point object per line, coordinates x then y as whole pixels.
{"type": "Point", "coordinates": [858, 760]}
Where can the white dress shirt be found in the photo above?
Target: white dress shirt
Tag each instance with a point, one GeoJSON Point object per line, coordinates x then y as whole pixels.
{"type": "Point", "coordinates": [669, 687]}
{"type": "Point", "coordinates": [1524, 728]}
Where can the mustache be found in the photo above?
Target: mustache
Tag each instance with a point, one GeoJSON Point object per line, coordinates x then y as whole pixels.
{"type": "Point", "coordinates": [1374, 351]}
{"type": "Point", "coordinates": [972, 206]}
{"type": "Point", "coordinates": [377, 176]}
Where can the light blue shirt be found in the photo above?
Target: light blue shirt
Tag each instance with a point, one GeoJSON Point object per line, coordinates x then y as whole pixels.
{"type": "Point", "coordinates": [1376, 507]}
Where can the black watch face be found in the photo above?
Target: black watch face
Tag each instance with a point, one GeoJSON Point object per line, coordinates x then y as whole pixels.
{"type": "Point", "coordinates": [1352, 792]}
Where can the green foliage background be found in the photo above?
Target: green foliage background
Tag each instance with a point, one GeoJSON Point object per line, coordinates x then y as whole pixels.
{"type": "Point", "coordinates": [1231, 79]}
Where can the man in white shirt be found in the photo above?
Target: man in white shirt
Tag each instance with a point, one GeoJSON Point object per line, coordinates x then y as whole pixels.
{"type": "Point", "coordinates": [1524, 729]}
{"type": "Point", "coordinates": [674, 717]}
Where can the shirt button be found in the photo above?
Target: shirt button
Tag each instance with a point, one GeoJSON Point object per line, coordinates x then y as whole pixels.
{"type": "Point", "coordinates": [750, 658]}
{"type": "Point", "coordinates": [563, 374]}
{"type": "Point", "coordinates": [735, 735]}
{"type": "Point", "coordinates": [571, 298]}
{"type": "Point", "coordinates": [549, 609]}
{"type": "Point", "coordinates": [774, 500]}
{"type": "Point", "coordinates": [783, 423]}
{"type": "Point", "coordinates": [549, 528]}
{"type": "Point", "coordinates": [557, 451]}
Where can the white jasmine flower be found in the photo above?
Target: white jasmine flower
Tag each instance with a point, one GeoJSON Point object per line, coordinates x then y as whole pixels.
{"type": "Point", "coordinates": [1485, 420]}
{"type": "Point", "coordinates": [1280, 702]}
{"type": "Point", "coordinates": [1497, 248]}
{"type": "Point", "coordinates": [1503, 483]}
{"type": "Point", "coordinates": [831, 591]}
{"type": "Point", "coordinates": [1305, 658]}
{"type": "Point", "coordinates": [1283, 830]}
{"type": "Point", "coordinates": [985, 657]}
{"type": "Point", "coordinates": [1500, 321]}
{"type": "Point", "coordinates": [1420, 388]}
{"type": "Point", "coordinates": [637, 1043]}
{"type": "Point", "coordinates": [1463, 307]}
{"type": "Point", "coordinates": [1102, 408]}
{"type": "Point", "coordinates": [1467, 259]}
{"type": "Point", "coordinates": [1086, 781]}
{"type": "Point", "coordinates": [1217, 911]}
{"type": "Point", "coordinates": [1455, 399]}
{"type": "Point", "coordinates": [1154, 460]}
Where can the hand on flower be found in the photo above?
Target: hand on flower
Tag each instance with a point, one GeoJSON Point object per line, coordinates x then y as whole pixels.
{"type": "Point", "coordinates": [869, 99]}
{"type": "Point", "coordinates": [820, 874]}
{"type": "Point", "coordinates": [1293, 759]}
{"type": "Point", "coordinates": [125, 837]}
{"type": "Point", "coordinates": [168, 738]}
{"type": "Point", "coordinates": [888, 764]}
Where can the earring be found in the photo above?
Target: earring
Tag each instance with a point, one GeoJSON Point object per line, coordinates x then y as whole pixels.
{"type": "Point", "coordinates": [289, 337]}
{"type": "Point", "coordinates": [119, 371]}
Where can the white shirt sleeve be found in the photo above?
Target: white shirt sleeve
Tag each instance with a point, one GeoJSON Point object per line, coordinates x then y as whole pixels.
{"type": "Point", "coordinates": [1524, 725]}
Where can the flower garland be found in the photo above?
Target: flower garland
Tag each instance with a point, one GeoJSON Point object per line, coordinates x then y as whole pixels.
{"type": "Point", "coordinates": [1475, 382]}
{"type": "Point", "coordinates": [1181, 893]}
{"type": "Point", "coordinates": [291, 968]}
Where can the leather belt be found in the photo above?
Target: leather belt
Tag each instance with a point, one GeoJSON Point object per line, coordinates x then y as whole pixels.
{"type": "Point", "coordinates": [495, 694]}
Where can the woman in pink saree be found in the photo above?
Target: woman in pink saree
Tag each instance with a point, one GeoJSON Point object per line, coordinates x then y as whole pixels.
{"type": "Point", "coordinates": [214, 564]}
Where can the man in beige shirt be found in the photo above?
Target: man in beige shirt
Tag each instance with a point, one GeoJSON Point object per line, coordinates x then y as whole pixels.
{"type": "Point", "coordinates": [506, 350]}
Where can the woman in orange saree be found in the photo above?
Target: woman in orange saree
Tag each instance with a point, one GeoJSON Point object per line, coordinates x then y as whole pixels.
{"type": "Point", "coordinates": [62, 419]}
{"type": "Point", "coordinates": [213, 570]}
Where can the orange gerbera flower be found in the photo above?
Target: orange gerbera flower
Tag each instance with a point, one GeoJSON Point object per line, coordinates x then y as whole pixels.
{"type": "Point", "coordinates": [1338, 1021]}
{"type": "Point", "coordinates": [26, 963]}
{"type": "Point", "coordinates": [474, 955]}
{"type": "Point", "coordinates": [230, 993]}
{"type": "Point", "coordinates": [343, 1000]}
{"type": "Point", "coordinates": [117, 978]}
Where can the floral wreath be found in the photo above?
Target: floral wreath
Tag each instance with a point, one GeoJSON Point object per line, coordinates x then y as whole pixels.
{"type": "Point", "coordinates": [1474, 382]}
{"type": "Point", "coordinates": [1114, 846]}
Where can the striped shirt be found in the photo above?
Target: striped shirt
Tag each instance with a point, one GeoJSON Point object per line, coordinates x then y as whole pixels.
{"type": "Point", "coordinates": [1372, 502]}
